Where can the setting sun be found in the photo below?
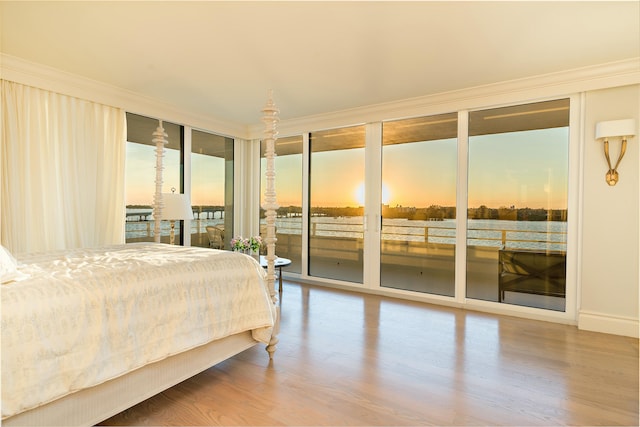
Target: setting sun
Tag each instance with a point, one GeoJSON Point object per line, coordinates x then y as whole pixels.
{"type": "Point", "coordinates": [360, 191]}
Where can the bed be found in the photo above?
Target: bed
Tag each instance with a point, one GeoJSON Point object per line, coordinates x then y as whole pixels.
{"type": "Point", "coordinates": [87, 333]}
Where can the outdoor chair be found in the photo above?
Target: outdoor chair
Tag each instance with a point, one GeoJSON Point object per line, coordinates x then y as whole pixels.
{"type": "Point", "coordinates": [216, 237]}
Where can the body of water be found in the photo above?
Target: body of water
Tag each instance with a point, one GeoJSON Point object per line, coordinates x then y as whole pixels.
{"type": "Point", "coordinates": [534, 235]}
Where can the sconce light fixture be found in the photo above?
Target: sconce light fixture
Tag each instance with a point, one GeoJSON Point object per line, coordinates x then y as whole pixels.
{"type": "Point", "coordinates": [615, 129]}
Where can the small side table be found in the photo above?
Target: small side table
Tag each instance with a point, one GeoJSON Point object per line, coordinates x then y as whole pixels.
{"type": "Point", "coordinates": [279, 263]}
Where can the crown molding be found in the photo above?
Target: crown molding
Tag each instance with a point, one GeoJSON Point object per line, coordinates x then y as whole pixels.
{"type": "Point", "coordinates": [28, 73]}
{"type": "Point", "coordinates": [564, 83]}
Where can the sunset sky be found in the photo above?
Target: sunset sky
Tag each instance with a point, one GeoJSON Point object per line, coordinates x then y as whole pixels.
{"type": "Point", "coordinates": [207, 174]}
{"type": "Point", "coordinates": [524, 169]}
{"type": "Point", "coordinates": [140, 173]}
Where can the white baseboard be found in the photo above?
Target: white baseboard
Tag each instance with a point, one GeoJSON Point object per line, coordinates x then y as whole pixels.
{"type": "Point", "coordinates": [608, 324]}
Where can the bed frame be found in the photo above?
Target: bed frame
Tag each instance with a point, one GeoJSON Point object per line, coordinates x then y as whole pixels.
{"type": "Point", "coordinates": [90, 406]}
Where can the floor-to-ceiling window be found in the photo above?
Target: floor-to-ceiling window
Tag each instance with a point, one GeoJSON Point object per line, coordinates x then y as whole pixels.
{"type": "Point", "coordinates": [288, 166]}
{"type": "Point", "coordinates": [336, 203]}
{"type": "Point", "coordinates": [211, 190]}
{"type": "Point", "coordinates": [140, 176]}
{"type": "Point", "coordinates": [419, 168]}
{"type": "Point", "coordinates": [211, 164]}
{"type": "Point", "coordinates": [517, 204]}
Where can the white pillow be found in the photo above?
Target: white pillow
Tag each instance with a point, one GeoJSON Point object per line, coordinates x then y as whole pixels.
{"type": "Point", "coordinates": [8, 266]}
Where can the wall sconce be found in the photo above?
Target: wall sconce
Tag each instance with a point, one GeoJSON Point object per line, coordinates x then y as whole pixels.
{"type": "Point", "coordinates": [613, 129]}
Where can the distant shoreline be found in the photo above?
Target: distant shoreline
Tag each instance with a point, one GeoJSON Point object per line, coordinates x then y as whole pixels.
{"type": "Point", "coordinates": [429, 213]}
{"type": "Point", "coordinates": [536, 235]}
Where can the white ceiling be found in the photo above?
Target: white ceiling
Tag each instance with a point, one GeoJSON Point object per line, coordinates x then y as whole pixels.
{"type": "Point", "coordinates": [220, 58]}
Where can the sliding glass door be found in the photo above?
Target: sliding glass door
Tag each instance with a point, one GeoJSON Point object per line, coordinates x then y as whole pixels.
{"type": "Point", "coordinates": [140, 176]}
{"type": "Point", "coordinates": [211, 190]}
{"type": "Point", "coordinates": [336, 204]}
{"type": "Point", "coordinates": [288, 166]}
{"type": "Point", "coordinates": [211, 180]}
{"type": "Point", "coordinates": [517, 204]}
{"type": "Point", "coordinates": [417, 248]}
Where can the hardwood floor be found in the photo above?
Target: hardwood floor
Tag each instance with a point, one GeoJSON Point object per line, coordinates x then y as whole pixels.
{"type": "Point", "coordinates": [354, 359]}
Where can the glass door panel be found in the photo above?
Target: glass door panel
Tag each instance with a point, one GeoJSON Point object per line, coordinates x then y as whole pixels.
{"type": "Point", "coordinates": [288, 166]}
{"type": "Point", "coordinates": [211, 190]}
{"type": "Point", "coordinates": [336, 201]}
{"type": "Point", "coordinates": [417, 248]}
{"type": "Point", "coordinates": [517, 204]}
{"type": "Point", "coordinates": [140, 176]}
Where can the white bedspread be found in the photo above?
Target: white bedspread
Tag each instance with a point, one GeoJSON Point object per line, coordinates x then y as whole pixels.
{"type": "Point", "coordinates": [86, 316]}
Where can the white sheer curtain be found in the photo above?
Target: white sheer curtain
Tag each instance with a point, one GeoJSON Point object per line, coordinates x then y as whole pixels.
{"type": "Point", "coordinates": [61, 171]}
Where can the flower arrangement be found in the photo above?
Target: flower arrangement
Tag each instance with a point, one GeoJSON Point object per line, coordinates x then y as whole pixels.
{"type": "Point", "coordinates": [241, 244]}
{"type": "Point", "coordinates": [255, 243]}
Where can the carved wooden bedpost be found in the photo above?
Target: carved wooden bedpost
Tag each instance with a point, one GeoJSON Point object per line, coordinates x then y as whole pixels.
{"type": "Point", "coordinates": [270, 118]}
{"type": "Point", "coordinates": [160, 139]}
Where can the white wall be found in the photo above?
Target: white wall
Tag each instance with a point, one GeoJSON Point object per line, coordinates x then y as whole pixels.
{"type": "Point", "coordinates": [609, 267]}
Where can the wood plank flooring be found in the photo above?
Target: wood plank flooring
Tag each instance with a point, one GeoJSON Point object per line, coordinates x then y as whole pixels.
{"type": "Point", "coordinates": [355, 359]}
